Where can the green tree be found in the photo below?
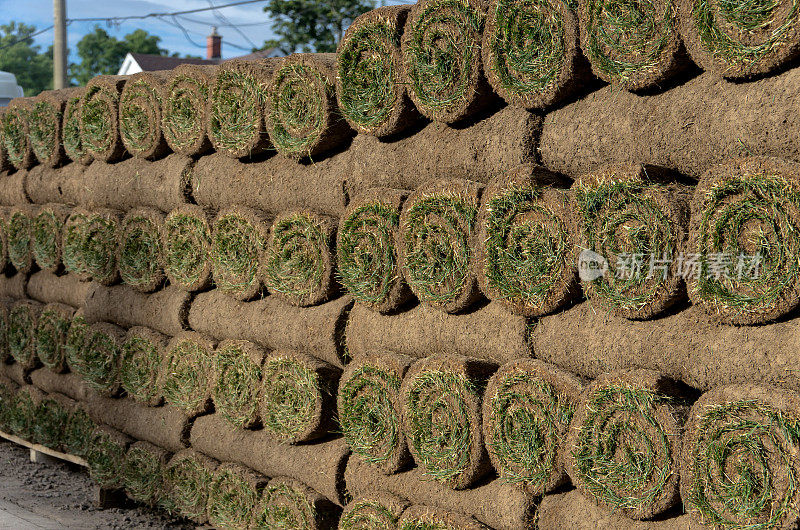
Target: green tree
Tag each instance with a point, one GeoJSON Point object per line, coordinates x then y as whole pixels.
{"type": "Point", "coordinates": [312, 25]}
{"type": "Point", "coordinates": [20, 56]}
{"type": "Point", "coordinates": [101, 53]}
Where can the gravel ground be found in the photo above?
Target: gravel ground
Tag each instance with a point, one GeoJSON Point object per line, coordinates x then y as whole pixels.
{"type": "Point", "coordinates": [59, 495]}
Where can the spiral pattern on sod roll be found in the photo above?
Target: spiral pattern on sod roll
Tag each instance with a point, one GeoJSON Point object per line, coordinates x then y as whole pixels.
{"type": "Point", "coordinates": [187, 375]}
{"type": "Point", "coordinates": [15, 135]}
{"type": "Point", "coordinates": [140, 252]}
{"type": "Point", "coordinates": [19, 233]}
{"type": "Point", "coordinates": [290, 396]}
{"type": "Point", "coordinates": [235, 115]}
{"type": "Point", "coordinates": [236, 388]}
{"type": "Point", "coordinates": [22, 334]}
{"type": "Point", "coordinates": [78, 433]}
{"type": "Point", "coordinates": [143, 475]}
{"type": "Point", "coordinates": [98, 114]}
{"type": "Point", "coordinates": [187, 249]}
{"type": "Point", "coordinates": [98, 361]}
{"type": "Point", "coordinates": [140, 117]}
{"type": "Point", "coordinates": [367, 515]}
{"type": "Point", "coordinates": [140, 366]}
{"type": "Point", "coordinates": [236, 247]}
{"type": "Point", "coordinates": [187, 483]}
{"type": "Point", "coordinates": [231, 499]}
{"type": "Point", "coordinates": [43, 125]}
{"type": "Point", "coordinates": [71, 130]}
{"type": "Point", "coordinates": [106, 458]}
{"type": "Point", "coordinates": [46, 230]}
{"type": "Point", "coordinates": [283, 506]}
{"type": "Point", "coordinates": [183, 116]}
{"type": "Point", "coordinates": [52, 329]}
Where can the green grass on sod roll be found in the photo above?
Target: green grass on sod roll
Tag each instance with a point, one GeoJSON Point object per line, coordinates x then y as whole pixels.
{"type": "Point", "coordinates": [140, 251]}
{"type": "Point", "coordinates": [236, 388]}
{"type": "Point", "coordinates": [99, 246]}
{"type": "Point", "coordinates": [289, 395]}
{"type": "Point", "coordinates": [182, 119]}
{"type": "Point", "coordinates": [52, 330]}
{"type": "Point", "coordinates": [368, 413]}
{"type": "Point", "coordinates": [187, 375]}
{"type": "Point", "coordinates": [297, 112]}
{"type": "Point", "coordinates": [235, 110]}
{"type": "Point", "coordinates": [76, 341]}
{"type": "Point", "coordinates": [20, 415]}
{"type": "Point", "coordinates": [283, 506]}
{"type": "Point", "coordinates": [5, 311]}
{"type": "Point", "coordinates": [187, 248]}
{"type": "Point", "coordinates": [98, 361]}
{"type": "Point", "coordinates": [231, 498]}
{"type": "Point", "coordinates": [22, 334]}
{"type": "Point", "coordinates": [19, 233]}
{"type": "Point", "coordinates": [237, 245]}
{"type": "Point", "coordinates": [140, 364]}
{"type": "Point", "coordinates": [7, 404]}
{"type": "Point", "coordinates": [97, 132]}
{"type": "Point", "coordinates": [367, 515]}
{"type": "Point", "coordinates": [137, 110]}
{"type": "Point", "coordinates": [71, 130]}
{"type": "Point", "coordinates": [187, 482]}
{"type": "Point", "coordinates": [43, 125]}
{"type": "Point", "coordinates": [50, 422]}
{"type": "Point", "coordinates": [78, 433]}
{"type": "Point", "coordinates": [106, 459]}
{"type": "Point", "coordinates": [46, 229]}
{"type": "Point", "coordinates": [73, 236]}
{"type": "Point", "coordinates": [14, 135]}
{"type": "Point", "coordinates": [143, 474]}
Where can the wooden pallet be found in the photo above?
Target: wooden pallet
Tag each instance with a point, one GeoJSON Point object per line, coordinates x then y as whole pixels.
{"type": "Point", "coordinates": [43, 455]}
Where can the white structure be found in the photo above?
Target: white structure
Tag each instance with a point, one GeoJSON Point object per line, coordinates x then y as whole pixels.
{"type": "Point", "coordinates": [9, 89]}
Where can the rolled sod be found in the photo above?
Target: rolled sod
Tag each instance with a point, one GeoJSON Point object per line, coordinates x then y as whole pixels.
{"type": "Point", "coordinates": [370, 413]}
{"type": "Point", "coordinates": [366, 251]}
{"type": "Point", "coordinates": [236, 107]}
{"type": "Point", "coordinates": [525, 241]}
{"type": "Point", "coordinates": [141, 360]}
{"type": "Point", "coordinates": [163, 311]}
{"type": "Point", "coordinates": [300, 258]}
{"type": "Point", "coordinates": [19, 234]}
{"type": "Point", "coordinates": [441, 54]}
{"type": "Point", "coordinates": [99, 118]}
{"type": "Point", "coordinates": [273, 185]}
{"type": "Point", "coordinates": [78, 427]}
{"type": "Point", "coordinates": [71, 128]}
{"type": "Point", "coordinates": [140, 115]}
{"type": "Point", "coordinates": [44, 185]}
{"type": "Point", "coordinates": [5, 309]}
{"type": "Point", "coordinates": [527, 409]}
{"type": "Point", "coordinates": [21, 417]}
{"type": "Point", "coordinates": [13, 286]}
{"type": "Point", "coordinates": [374, 511]}
{"type": "Point", "coordinates": [238, 239]}
{"type": "Point", "coordinates": [233, 494]}
{"type": "Point", "coordinates": [52, 328]}
{"type": "Point", "coordinates": [441, 404]}
{"type": "Point", "coordinates": [636, 218]}
{"type": "Point", "coordinates": [188, 374]}
{"type": "Point", "coordinates": [370, 85]}
{"type": "Point", "coordinates": [68, 384]}
{"type": "Point", "coordinates": [23, 318]}
{"type": "Point", "coordinates": [47, 228]}
{"type": "Point", "coordinates": [420, 517]}
{"type": "Point", "coordinates": [184, 108]}
{"type": "Point", "coordinates": [318, 331]}
{"type": "Point", "coordinates": [288, 503]}
{"type": "Point", "coordinates": [139, 254]}
{"type": "Point", "coordinates": [166, 427]}
{"type": "Point", "coordinates": [531, 53]}
{"type": "Point", "coordinates": [45, 126]}
{"type": "Point", "coordinates": [741, 42]}
{"type": "Point", "coordinates": [297, 396]}
{"type": "Point", "coordinates": [106, 457]}
{"type": "Point", "coordinates": [90, 244]}
{"type": "Point", "coordinates": [66, 289]}
{"type": "Point", "coordinates": [16, 134]}
{"type": "Point", "coordinates": [489, 333]}
{"type": "Point", "coordinates": [302, 117]}
{"type": "Point", "coordinates": [743, 231]}
{"type": "Point", "coordinates": [623, 449]}
{"type": "Point", "coordinates": [8, 393]}
{"type": "Point", "coordinates": [143, 472]}
{"type": "Point", "coordinates": [99, 358]}
{"type": "Point", "coordinates": [653, 130]}
{"type": "Point", "coordinates": [49, 421]}
{"type": "Point", "coordinates": [237, 382]}
{"type": "Point", "coordinates": [186, 247]}
{"type": "Point", "coordinates": [318, 465]}
{"type": "Point", "coordinates": [5, 163]}
{"type": "Point", "coordinates": [435, 242]}
{"type": "Point", "coordinates": [740, 463]}
{"type": "Point", "coordinates": [4, 215]}
{"type": "Point", "coordinates": [75, 347]}
{"type": "Point", "coordinates": [573, 510]}
{"type": "Point", "coordinates": [187, 479]}
{"type": "Point", "coordinates": [13, 193]}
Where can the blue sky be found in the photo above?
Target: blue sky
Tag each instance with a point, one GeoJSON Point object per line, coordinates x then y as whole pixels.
{"type": "Point", "coordinates": [252, 21]}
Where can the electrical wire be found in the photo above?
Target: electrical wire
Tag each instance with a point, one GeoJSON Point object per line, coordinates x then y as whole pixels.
{"type": "Point", "coordinates": [158, 15]}
{"type": "Point", "coordinates": [29, 37]}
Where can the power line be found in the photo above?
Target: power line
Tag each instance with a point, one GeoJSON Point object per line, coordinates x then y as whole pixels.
{"type": "Point", "coordinates": [159, 15]}
{"type": "Point", "coordinates": [224, 20]}
{"type": "Point", "coordinates": [29, 37]}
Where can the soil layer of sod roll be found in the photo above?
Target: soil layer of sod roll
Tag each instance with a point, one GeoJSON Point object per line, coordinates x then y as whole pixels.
{"type": "Point", "coordinates": [489, 332]}
{"type": "Point", "coordinates": [186, 247]}
{"type": "Point", "coordinates": [237, 382]}
{"type": "Point", "coordinates": [13, 192]}
{"type": "Point", "coordinates": [527, 409]}
{"type": "Point", "coordinates": [318, 331]}
{"type": "Point", "coordinates": [90, 244]}
{"type": "Point", "coordinates": [319, 465]}
{"type": "Point", "coordinates": [300, 258]}
{"type": "Point", "coordinates": [15, 133]}
{"type": "Point", "coordinates": [15, 373]}
{"type": "Point", "coordinates": [161, 184]}
{"type": "Point", "coordinates": [288, 503]}
{"type": "Point", "coordinates": [744, 232]}
{"type": "Point", "coordinates": [442, 59]}
{"type": "Point", "coordinates": [184, 108]}
{"type": "Point", "coordinates": [238, 239]}
{"type": "Point", "coordinates": [420, 517]}
{"type": "Point", "coordinates": [370, 412]}
{"type": "Point", "coordinates": [375, 510]}
{"type": "Point", "coordinates": [69, 384]}
{"type": "Point", "coordinates": [99, 358]}
{"type": "Point", "coordinates": [188, 375]}
{"type": "Point", "coordinates": [106, 457]}
{"type": "Point", "coordinates": [435, 243]}
{"type": "Point", "coordinates": [163, 311]}
{"type": "Point", "coordinates": [52, 328]}
{"type": "Point", "coordinates": [370, 85]}
{"type": "Point", "coordinates": [47, 229]}
{"type": "Point", "coordinates": [45, 126]}
{"type": "Point", "coordinates": [525, 242]}
{"type": "Point", "coordinates": [236, 107]}
{"type": "Point", "coordinates": [441, 403]}
{"type": "Point", "coordinates": [66, 289]}
{"type": "Point", "coordinates": [43, 185]}
{"type": "Point", "coordinates": [19, 234]}
{"type": "Point", "coordinates": [140, 115]}
{"type": "Point", "coordinates": [99, 118]}
{"type": "Point", "coordinates": [13, 286]}
{"type": "Point", "coordinates": [741, 42]}
{"type": "Point", "coordinates": [740, 462]}
{"type": "Point", "coordinates": [302, 117]}
{"type": "Point", "coordinates": [187, 479]}
{"type": "Point", "coordinates": [366, 250]}
{"type": "Point", "coordinates": [139, 254]}
{"type": "Point", "coordinates": [233, 494]}
{"type": "Point", "coordinates": [297, 396]}
{"type": "Point", "coordinates": [725, 120]}
{"type": "Point", "coordinates": [23, 318]}
{"type": "Point", "coordinates": [141, 360]}
{"type": "Point", "coordinates": [531, 53]}
{"type": "Point", "coordinates": [71, 128]}
{"type": "Point", "coordinates": [143, 472]}
{"type": "Point", "coordinates": [623, 448]}
{"type": "Point", "coordinates": [636, 218]}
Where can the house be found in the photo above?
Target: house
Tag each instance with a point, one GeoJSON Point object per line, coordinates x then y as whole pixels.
{"type": "Point", "coordinates": [9, 89]}
{"type": "Point", "coordinates": [142, 62]}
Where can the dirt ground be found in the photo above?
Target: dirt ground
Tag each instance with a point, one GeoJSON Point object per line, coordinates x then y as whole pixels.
{"type": "Point", "coordinates": [59, 495]}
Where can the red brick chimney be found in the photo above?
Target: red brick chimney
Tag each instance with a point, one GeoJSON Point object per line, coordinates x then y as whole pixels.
{"type": "Point", "coordinates": [214, 45]}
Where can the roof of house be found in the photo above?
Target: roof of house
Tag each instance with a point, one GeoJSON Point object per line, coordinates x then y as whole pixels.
{"type": "Point", "coordinates": [152, 63]}
{"type": "Point", "coordinates": [260, 54]}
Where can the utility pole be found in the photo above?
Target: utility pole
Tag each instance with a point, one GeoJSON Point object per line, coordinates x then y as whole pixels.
{"type": "Point", "coordinates": [59, 44]}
